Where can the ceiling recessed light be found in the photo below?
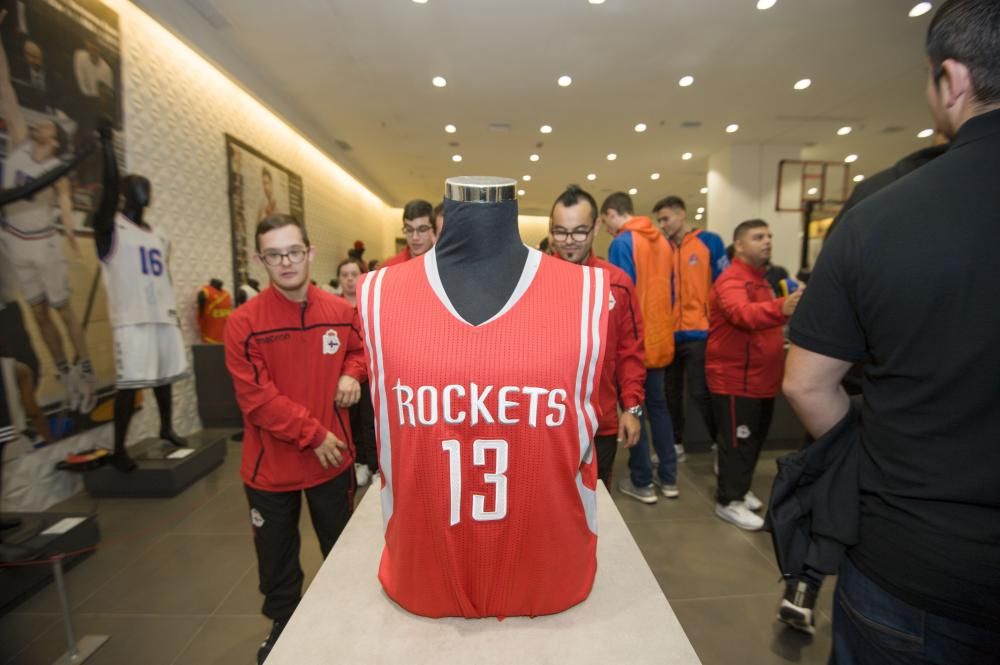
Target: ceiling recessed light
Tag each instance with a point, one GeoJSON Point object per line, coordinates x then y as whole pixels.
{"type": "Point", "coordinates": [858, 178]}
{"type": "Point", "coordinates": [686, 81]}
{"type": "Point", "coordinates": [439, 82]}
{"type": "Point", "coordinates": [597, 2]}
{"type": "Point", "coordinates": [534, 158]}
{"type": "Point", "coordinates": [698, 218]}
{"type": "Point", "coordinates": [564, 81]}
{"type": "Point", "coordinates": [633, 191]}
{"type": "Point", "coordinates": [545, 129]}
{"type": "Point", "coordinates": [654, 176]}
{"type": "Point", "coordinates": [640, 127]}
{"type": "Point", "coordinates": [451, 129]}
{"type": "Point", "coordinates": [812, 191]}
{"type": "Point", "coordinates": [420, 2]}
{"type": "Point", "coordinates": [456, 158]}
{"type": "Point", "coordinates": [926, 134]}
{"type": "Point", "coordinates": [765, 4]}
{"type": "Point", "coordinates": [526, 178]}
{"type": "Point", "coordinates": [844, 131]}
{"type": "Point", "coordinates": [703, 190]}
{"type": "Point", "coordinates": [612, 156]}
{"type": "Point", "coordinates": [520, 192]}
{"type": "Point", "coordinates": [732, 129]}
{"type": "Point", "coordinates": [920, 9]}
{"type": "Point", "coordinates": [686, 156]}
{"type": "Point", "coordinates": [591, 177]}
{"type": "Point", "coordinates": [700, 209]}
{"type": "Point", "coordinates": [802, 84]}
{"type": "Point", "coordinates": [850, 159]}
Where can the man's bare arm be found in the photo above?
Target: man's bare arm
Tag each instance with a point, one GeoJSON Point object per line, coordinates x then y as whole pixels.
{"type": "Point", "coordinates": [812, 386]}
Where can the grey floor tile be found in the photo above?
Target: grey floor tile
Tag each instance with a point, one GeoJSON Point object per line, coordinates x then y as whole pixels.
{"type": "Point", "coordinates": [181, 574]}
{"type": "Point", "coordinates": [226, 639]}
{"type": "Point", "coordinates": [743, 630]}
{"type": "Point", "coordinates": [18, 631]}
{"type": "Point", "coordinates": [703, 558]}
{"type": "Point", "coordinates": [150, 640]}
{"type": "Point", "coordinates": [245, 598]}
{"type": "Point", "coordinates": [692, 504]}
{"type": "Point", "coordinates": [226, 512]}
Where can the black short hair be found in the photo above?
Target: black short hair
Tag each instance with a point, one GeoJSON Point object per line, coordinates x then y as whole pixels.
{"type": "Point", "coordinates": [620, 202]}
{"type": "Point", "coordinates": [743, 227]}
{"type": "Point", "coordinates": [572, 196]}
{"type": "Point", "coordinates": [969, 31]}
{"type": "Point", "coordinates": [276, 221]}
{"type": "Point", "coordinates": [418, 208]}
{"type": "Point", "coordinates": [669, 202]}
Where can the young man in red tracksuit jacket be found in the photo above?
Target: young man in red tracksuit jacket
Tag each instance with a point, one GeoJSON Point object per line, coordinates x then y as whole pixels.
{"type": "Point", "coordinates": [572, 225]}
{"type": "Point", "coordinates": [744, 363]}
{"type": "Point", "coordinates": [296, 360]}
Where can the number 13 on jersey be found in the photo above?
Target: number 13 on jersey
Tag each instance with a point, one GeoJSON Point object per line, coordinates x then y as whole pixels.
{"type": "Point", "coordinates": [497, 478]}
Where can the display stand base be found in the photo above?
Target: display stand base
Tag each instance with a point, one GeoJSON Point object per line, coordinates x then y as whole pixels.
{"type": "Point", "coordinates": [85, 648]}
{"type": "Point", "coordinates": [163, 469]}
{"type": "Point", "coordinates": [38, 535]}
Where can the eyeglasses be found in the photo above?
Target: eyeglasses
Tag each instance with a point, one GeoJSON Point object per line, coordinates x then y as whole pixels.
{"type": "Point", "coordinates": [578, 234]}
{"type": "Point", "coordinates": [416, 231]}
{"type": "Point", "coordinates": [273, 259]}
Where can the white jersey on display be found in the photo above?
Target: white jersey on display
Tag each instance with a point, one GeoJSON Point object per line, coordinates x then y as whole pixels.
{"type": "Point", "coordinates": [136, 276]}
{"type": "Point", "coordinates": [33, 217]}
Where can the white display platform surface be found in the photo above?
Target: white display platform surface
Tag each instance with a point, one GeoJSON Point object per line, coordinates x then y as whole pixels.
{"type": "Point", "coordinates": [345, 617]}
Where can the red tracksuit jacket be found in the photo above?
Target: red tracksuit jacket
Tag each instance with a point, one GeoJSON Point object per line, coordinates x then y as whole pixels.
{"type": "Point", "coordinates": [623, 378]}
{"type": "Point", "coordinates": [286, 359]}
{"type": "Point", "coordinates": [745, 355]}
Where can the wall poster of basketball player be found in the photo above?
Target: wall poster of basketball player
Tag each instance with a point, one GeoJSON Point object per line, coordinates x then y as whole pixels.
{"type": "Point", "coordinates": [60, 74]}
{"type": "Point", "coordinates": [258, 187]}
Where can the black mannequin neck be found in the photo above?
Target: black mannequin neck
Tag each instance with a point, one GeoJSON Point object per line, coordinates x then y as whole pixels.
{"type": "Point", "coordinates": [480, 257]}
{"type": "Point", "coordinates": [137, 192]}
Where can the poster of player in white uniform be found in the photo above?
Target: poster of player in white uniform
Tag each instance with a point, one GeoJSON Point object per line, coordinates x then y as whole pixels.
{"type": "Point", "coordinates": [60, 74]}
{"type": "Point", "coordinates": [258, 187]}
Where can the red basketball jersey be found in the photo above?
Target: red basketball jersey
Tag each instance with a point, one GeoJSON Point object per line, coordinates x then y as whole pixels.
{"type": "Point", "coordinates": [485, 439]}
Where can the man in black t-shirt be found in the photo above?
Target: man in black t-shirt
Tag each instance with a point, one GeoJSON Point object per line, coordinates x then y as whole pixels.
{"type": "Point", "coordinates": [908, 285]}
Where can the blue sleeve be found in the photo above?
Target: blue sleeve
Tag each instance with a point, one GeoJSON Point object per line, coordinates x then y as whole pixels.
{"type": "Point", "coordinates": [717, 252]}
{"type": "Point", "coordinates": [620, 253]}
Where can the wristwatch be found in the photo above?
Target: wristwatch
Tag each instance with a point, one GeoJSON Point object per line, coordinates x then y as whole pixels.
{"type": "Point", "coordinates": [635, 410]}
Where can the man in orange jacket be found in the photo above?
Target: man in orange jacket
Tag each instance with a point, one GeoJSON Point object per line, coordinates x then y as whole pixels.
{"type": "Point", "coordinates": [572, 223]}
{"type": "Point", "coordinates": [699, 259]}
{"type": "Point", "coordinates": [641, 251]}
{"type": "Point", "coordinates": [744, 362]}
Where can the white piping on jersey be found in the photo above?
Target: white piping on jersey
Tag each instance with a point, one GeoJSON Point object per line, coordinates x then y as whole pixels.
{"type": "Point", "coordinates": [384, 439]}
{"type": "Point", "coordinates": [588, 498]}
{"type": "Point", "coordinates": [595, 351]}
{"type": "Point", "coordinates": [527, 275]}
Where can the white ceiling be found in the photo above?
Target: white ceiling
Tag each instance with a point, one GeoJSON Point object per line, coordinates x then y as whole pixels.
{"type": "Point", "coordinates": [359, 72]}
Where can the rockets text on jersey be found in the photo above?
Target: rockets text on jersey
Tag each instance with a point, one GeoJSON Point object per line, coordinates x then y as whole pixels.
{"type": "Point", "coordinates": [485, 439]}
{"type": "Point", "coordinates": [136, 276]}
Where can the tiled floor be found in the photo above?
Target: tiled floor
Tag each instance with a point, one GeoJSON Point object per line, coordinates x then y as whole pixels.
{"type": "Point", "coordinates": [175, 581]}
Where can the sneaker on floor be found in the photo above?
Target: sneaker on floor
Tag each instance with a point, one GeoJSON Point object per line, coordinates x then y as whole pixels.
{"type": "Point", "coordinates": [736, 513]}
{"type": "Point", "coordinates": [798, 605]}
{"type": "Point", "coordinates": [751, 501]}
{"type": "Point", "coordinates": [362, 474]}
{"type": "Point", "coordinates": [86, 385]}
{"type": "Point", "coordinates": [645, 494]}
{"type": "Point", "coordinates": [265, 647]}
{"type": "Point", "coordinates": [669, 491]}
{"type": "Point", "coordinates": [679, 449]}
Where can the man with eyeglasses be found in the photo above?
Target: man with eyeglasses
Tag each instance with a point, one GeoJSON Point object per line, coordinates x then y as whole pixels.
{"type": "Point", "coordinates": [571, 231]}
{"type": "Point", "coordinates": [420, 228]}
{"type": "Point", "coordinates": [296, 360]}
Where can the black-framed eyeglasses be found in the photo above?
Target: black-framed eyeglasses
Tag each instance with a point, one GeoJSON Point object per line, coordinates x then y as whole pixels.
{"type": "Point", "coordinates": [296, 255]}
{"type": "Point", "coordinates": [578, 234]}
{"type": "Point", "coordinates": [417, 230]}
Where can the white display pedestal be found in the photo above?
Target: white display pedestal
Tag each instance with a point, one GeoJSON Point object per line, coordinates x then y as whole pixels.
{"type": "Point", "coordinates": [345, 617]}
